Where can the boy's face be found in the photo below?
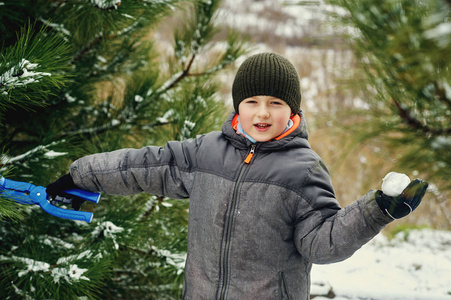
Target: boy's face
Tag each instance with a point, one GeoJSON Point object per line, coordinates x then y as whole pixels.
{"type": "Point", "coordinates": [264, 117]}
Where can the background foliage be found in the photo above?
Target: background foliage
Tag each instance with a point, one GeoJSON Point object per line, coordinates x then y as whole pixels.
{"type": "Point", "coordinates": [403, 74]}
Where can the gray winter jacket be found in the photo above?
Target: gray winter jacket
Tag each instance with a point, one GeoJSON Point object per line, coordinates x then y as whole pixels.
{"type": "Point", "coordinates": [254, 228]}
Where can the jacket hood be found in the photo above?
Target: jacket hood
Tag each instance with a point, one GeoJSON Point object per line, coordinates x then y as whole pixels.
{"type": "Point", "coordinates": [300, 134]}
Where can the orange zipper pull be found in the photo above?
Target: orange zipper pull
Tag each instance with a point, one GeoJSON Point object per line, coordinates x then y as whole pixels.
{"type": "Point", "coordinates": [250, 155]}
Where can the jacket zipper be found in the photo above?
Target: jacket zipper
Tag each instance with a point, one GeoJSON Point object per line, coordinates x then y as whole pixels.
{"type": "Point", "coordinates": [250, 155]}
{"type": "Point", "coordinates": [225, 258]}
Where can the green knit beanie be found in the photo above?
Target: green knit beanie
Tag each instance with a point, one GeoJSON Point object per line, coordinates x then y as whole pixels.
{"type": "Point", "coordinates": [267, 74]}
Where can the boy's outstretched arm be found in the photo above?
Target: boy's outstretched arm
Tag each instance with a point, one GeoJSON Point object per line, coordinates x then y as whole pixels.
{"type": "Point", "coordinates": [155, 170]}
{"type": "Point", "coordinates": [328, 236]}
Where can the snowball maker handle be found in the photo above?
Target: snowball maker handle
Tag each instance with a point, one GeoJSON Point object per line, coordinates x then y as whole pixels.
{"type": "Point", "coordinates": [90, 196]}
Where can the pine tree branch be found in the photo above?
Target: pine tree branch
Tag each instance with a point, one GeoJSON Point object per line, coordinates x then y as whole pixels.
{"type": "Point", "coordinates": [8, 137]}
{"type": "Point", "coordinates": [5, 266]}
{"type": "Point", "coordinates": [101, 129]}
{"type": "Point", "coordinates": [104, 6]}
{"type": "Point", "coordinates": [151, 210]}
{"type": "Point", "coordinates": [186, 73]}
{"type": "Point", "coordinates": [29, 154]}
{"type": "Point", "coordinates": [183, 74]}
{"type": "Point", "coordinates": [416, 124]}
{"type": "Point", "coordinates": [97, 40]}
{"type": "Point", "coordinates": [91, 45]}
{"type": "Point", "coordinates": [441, 93]}
{"type": "Point", "coordinates": [85, 50]}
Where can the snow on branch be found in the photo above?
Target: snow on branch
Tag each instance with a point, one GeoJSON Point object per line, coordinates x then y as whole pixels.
{"type": "Point", "coordinates": [7, 161]}
{"type": "Point", "coordinates": [108, 230]}
{"type": "Point", "coordinates": [106, 4]}
{"type": "Point", "coordinates": [21, 74]}
{"type": "Point", "coordinates": [174, 259]}
{"type": "Point", "coordinates": [57, 27]}
{"type": "Point", "coordinates": [71, 273]}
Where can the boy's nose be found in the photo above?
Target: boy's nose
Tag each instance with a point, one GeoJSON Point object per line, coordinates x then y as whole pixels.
{"type": "Point", "coordinates": [263, 112]}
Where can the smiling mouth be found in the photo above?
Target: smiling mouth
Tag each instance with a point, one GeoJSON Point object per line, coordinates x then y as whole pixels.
{"type": "Point", "coordinates": [262, 126]}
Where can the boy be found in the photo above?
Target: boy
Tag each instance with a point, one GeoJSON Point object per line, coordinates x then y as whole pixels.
{"type": "Point", "coordinates": [262, 206]}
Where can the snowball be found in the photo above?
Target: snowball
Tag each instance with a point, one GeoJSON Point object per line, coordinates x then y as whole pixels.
{"type": "Point", "coordinates": [394, 183]}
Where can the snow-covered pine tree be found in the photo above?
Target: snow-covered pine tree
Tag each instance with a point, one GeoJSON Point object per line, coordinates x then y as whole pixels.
{"type": "Point", "coordinates": [403, 49]}
{"type": "Point", "coordinates": [89, 76]}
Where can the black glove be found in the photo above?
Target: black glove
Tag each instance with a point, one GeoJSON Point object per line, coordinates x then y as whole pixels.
{"type": "Point", "coordinates": [402, 205]}
{"type": "Point", "coordinates": [55, 191]}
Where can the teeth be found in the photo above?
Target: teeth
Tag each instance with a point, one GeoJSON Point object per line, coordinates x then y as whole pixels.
{"type": "Point", "coordinates": [262, 125]}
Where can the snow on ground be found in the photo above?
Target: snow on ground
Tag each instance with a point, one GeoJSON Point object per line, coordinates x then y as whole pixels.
{"type": "Point", "coordinates": [414, 265]}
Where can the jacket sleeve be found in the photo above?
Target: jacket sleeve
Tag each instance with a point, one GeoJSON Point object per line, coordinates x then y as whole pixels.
{"type": "Point", "coordinates": [326, 233]}
{"type": "Point", "coordinates": [155, 170]}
